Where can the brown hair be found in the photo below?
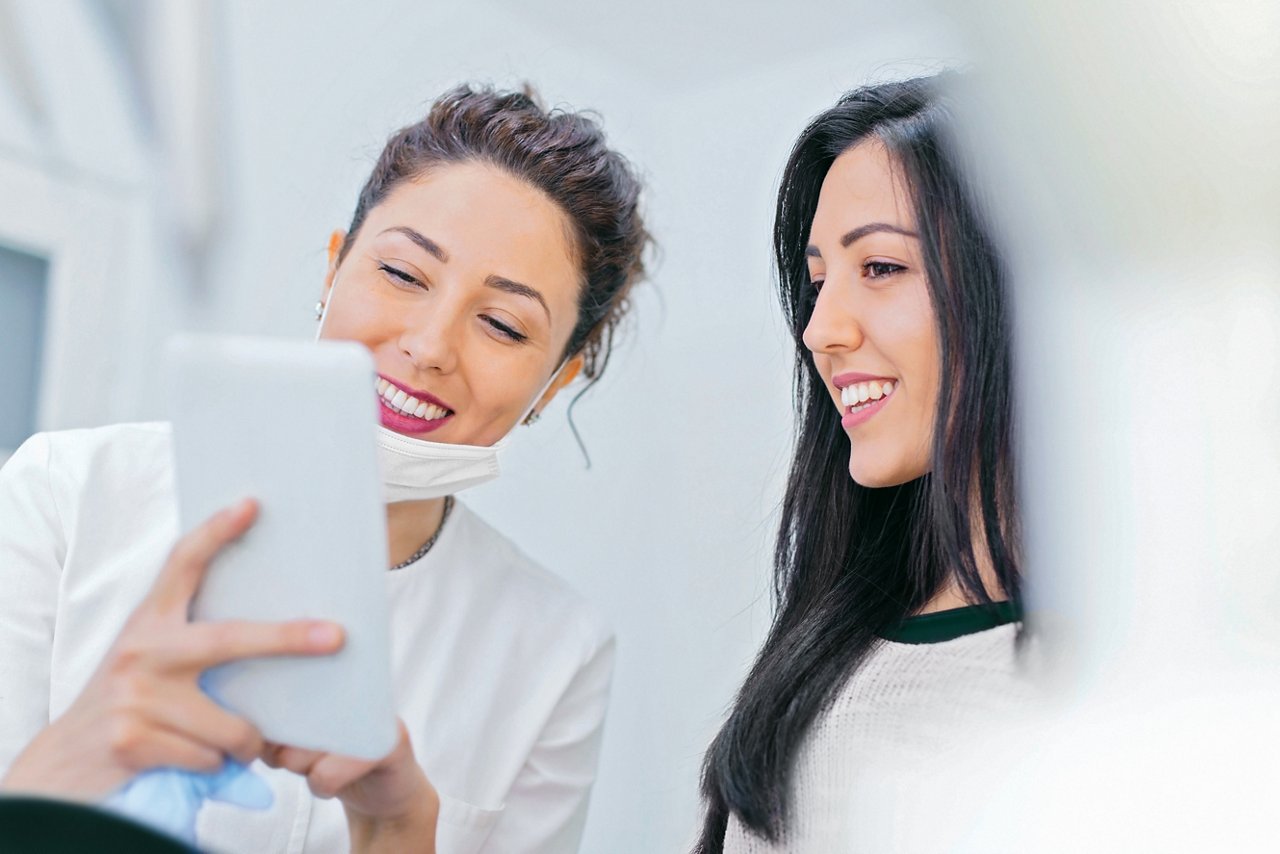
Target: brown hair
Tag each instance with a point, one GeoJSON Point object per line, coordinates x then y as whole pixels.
{"type": "Point", "coordinates": [563, 154]}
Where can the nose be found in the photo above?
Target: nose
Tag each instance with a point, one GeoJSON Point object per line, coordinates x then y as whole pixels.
{"type": "Point", "coordinates": [431, 336]}
{"type": "Point", "coordinates": [833, 326]}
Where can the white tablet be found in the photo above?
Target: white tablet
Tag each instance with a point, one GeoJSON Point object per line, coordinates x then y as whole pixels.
{"type": "Point", "coordinates": [291, 424]}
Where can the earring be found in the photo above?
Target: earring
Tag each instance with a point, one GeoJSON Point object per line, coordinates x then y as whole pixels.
{"type": "Point", "coordinates": [531, 417]}
{"type": "Point", "coordinates": [319, 309]}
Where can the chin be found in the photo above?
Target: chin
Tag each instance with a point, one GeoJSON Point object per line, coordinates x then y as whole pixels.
{"type": "Point", "coordinates": [874, 474]}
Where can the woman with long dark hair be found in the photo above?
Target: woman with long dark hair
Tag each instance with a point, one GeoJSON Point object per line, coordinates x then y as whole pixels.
{"type": "Point", "coordinates": [897, 561]}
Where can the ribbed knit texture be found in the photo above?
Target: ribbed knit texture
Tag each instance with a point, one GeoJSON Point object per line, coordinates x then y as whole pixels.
{"type": "Point", "coordinates": [907, 704]}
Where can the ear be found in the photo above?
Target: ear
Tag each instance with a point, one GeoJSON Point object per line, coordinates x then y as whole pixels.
{"type": "Point", "coordinates": [567, 375]}
{"type": "Point", "coordinates": [336, 240]}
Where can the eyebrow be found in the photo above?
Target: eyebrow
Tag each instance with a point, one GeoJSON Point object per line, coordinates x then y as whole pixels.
{"type": "Point", "coordinates": [860, 232]}
{"type": "Point", "coordinates": [427, 244]}
{"type": "Point", "coordinates": [506, 285]}
{"type": "Point", "coordinates": [501, 283]}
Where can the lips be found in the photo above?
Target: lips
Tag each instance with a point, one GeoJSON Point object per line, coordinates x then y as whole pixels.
{"type": "Point", "coordinates": [863, 396]}
{"type": "Point", "coordinates": [851, 377]}
{"type": "Point", "coordinates": [407, 410]}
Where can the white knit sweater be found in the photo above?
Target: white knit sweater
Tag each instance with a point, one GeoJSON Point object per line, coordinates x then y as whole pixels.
{"type": "Point", "coordinates": [904, 707]}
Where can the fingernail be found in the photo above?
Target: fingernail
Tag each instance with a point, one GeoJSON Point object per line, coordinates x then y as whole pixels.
{"type": "Point", "coordinates": [324, 635]}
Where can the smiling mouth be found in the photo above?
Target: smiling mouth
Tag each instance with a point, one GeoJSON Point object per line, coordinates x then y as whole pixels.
{"type": "Point", "coordinates": [402, 403]}
{"type": "Point", "coordinates": [860, 396]}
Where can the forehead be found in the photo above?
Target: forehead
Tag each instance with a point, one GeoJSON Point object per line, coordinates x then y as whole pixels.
{"type": "Point", "coordinates": [489, 223]}
{"type": "Point", "coordinates": [864, 184]}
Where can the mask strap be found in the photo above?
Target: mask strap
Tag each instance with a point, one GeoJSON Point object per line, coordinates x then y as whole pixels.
{"type": "Point", "coordinates": [530, 415]}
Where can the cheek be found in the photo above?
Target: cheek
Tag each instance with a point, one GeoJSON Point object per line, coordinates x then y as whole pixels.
{"type": "Point", "coordinates": [907, 335]}
{"type": "Point", "coordinates": [922, 369]}
{"type": "Point", "coordinates": [911, 335]}
{"type": "Point", "coordinates": [501, 390]}
{"type": "Point", "coordinates": [352, 315]}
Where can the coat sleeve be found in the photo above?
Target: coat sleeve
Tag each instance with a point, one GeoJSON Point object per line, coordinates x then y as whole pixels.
{"type": "Point", "coordinates": [546, 808]}
{"type": "Point", "coordinates": [32, 550]}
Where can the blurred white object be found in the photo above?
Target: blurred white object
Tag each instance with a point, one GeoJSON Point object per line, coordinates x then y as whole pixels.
{"type": "Point", "coordinates": [1130, 150]}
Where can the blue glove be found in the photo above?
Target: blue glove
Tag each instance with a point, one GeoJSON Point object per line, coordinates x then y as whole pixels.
{"type": "Point", "coordinates": [169, 799]}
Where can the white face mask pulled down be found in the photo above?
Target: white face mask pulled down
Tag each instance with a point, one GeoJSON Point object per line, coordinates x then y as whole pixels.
{"type": "Point", "coordinates": [416, 469]}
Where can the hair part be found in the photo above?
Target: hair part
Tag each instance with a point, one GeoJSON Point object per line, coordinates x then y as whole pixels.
{"type": "Point", "coordinates": [562, 153]}
{"type": "Point", "coordinates": [852, 562]}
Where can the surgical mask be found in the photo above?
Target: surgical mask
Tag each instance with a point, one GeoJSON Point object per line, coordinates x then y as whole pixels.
{"type": "Point", "coordinates": [417, 469]}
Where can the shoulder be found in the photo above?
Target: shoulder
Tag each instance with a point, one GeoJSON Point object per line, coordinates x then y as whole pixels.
{"type": "Point", "coordinates": [979, 661]}
{"type": "Point", "coordinates": [130, 447]}
{"type": "Point", "coordinates": [519, 587]}
{"type": "Point", "coordinates": [119, 472]}
{"type": "Point", "coordinates": [71, 458]}
{"type": "Point", "coordinates": [975, 676]}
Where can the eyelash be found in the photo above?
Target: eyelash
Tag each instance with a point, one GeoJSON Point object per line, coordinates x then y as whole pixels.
{"type": "Point", "coordinates": [872, 270]}
{"type": "Point", "coordinates": [497, 326]}
{"type": "Point", "coordinates": [504, 330]}
{"type": "Point", "coordinates": [401, 275]}
{"type": "Point", "coordinates": [884, 269]}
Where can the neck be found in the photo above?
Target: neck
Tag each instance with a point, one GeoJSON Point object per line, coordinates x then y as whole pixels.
{"type": "Point", "coordinates": [409, 525]}
{"type": "Point", "coordinates": [952, 595]}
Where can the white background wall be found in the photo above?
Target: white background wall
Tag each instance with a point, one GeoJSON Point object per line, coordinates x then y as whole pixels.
{"type": "Point", "coordinates": [670, 530]}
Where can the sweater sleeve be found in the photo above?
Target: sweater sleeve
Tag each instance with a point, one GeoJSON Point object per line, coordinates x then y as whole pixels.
{"type": "Point", "coordinates": [32, 550]}
{"type": "Point", "coordinates": [546, 808]}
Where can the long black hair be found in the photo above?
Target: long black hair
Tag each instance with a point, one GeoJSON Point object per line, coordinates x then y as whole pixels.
{"type": "Point", "coordinates": [852, 562]}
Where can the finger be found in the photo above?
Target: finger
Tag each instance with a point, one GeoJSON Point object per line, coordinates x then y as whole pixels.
{"type": "Point", "coordinates": [190, 557]}
{"type": "Point", "coordinates": [293, 759]}
{"type": "Point", "coordinates": [188, 712]}
{"type": "Point", "coordinates": [330, 774]}
{"type": "Point", "coordinates": [141, 746]}
{"type": "Point", "coordinates": [271, 754]}
{"type": "Point", "coordinates": [205, 645]}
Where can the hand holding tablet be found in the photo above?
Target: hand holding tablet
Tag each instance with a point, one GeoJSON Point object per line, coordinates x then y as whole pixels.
{"type": "Point", "coordinates": [143, 707]}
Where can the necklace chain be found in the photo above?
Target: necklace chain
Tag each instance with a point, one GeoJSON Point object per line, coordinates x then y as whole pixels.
{"type": "Point", "coordinates": [426, 547]}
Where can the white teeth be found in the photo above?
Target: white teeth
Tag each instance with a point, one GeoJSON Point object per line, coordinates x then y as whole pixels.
{"type": "Point", "coordinates": [407, 404]}
{"type": "Point", "coordinates": [858, 394]}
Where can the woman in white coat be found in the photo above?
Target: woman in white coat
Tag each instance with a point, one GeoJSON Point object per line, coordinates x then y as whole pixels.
{"type": "Point", "coordinates": [486, 265]}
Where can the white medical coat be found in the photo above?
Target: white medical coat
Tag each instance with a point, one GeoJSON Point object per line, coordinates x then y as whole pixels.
{"type": "Point", "coordinates": [501, 671]}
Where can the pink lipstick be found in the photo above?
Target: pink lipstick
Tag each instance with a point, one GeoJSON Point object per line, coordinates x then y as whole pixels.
{"type": "Point", "coordinates": [863, 396]}
{"type": "Point", "coordinates": [395, 418]}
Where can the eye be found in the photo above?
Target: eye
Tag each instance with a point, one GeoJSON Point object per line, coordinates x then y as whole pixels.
{"type": "Point", "coordinates": [817, 285]}
{"type": "Point", "coordinates": [504, 330]}
{"type": "Point", "coordinates": [880, 269]}
{"type": "Point", "coordinates": [400, 275]}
